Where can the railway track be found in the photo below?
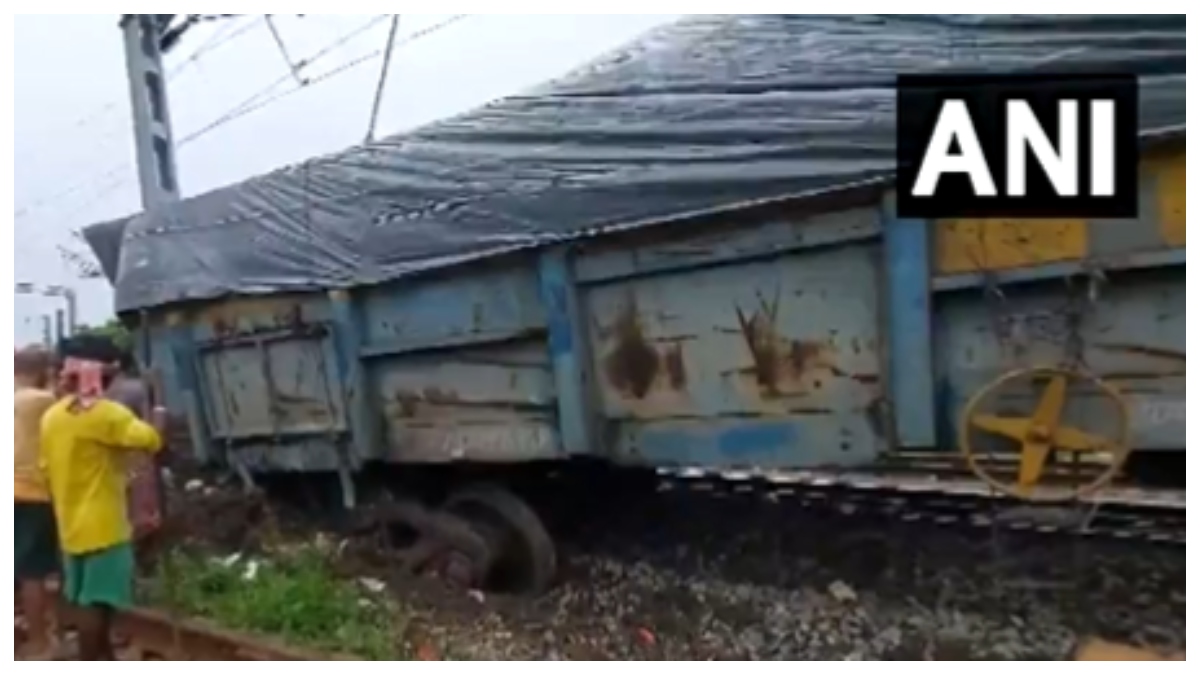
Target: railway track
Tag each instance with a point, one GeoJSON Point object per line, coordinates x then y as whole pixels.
{"type": "Point", "coordinates": [776, 565]}
{"type": "Point", "coordinates": [150, 635]}
{"type": "Point", "coordinates": [470, 545]}
{"type": "Point", "coordinates": [734, 540]}
{"type": "Point", "coordinates": [1119, 513]}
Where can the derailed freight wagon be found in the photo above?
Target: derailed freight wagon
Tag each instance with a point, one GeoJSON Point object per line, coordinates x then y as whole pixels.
{"type": "Point", "coordinates": [682, 257]}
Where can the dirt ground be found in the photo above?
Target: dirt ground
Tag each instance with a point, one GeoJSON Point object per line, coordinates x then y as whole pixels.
{"type": "Point", "coordinates": [697, 585]}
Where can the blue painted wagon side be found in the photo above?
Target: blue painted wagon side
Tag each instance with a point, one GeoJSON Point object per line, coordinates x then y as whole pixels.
{"type": "Point", "coordinates": [823, 333]}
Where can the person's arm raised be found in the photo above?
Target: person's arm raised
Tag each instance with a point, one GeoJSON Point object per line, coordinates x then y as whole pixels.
{"type": "Point", "coordinates": [127, 432]}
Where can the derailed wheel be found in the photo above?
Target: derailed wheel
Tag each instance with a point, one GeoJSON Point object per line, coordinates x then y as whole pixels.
{"type": "Point", "coordinates": [445, 544]}
{"type": "Point", "coordinates": [524, 557]}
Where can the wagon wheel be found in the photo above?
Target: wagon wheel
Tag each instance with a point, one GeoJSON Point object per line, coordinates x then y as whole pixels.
{"type": "Point", "coordinates": [525, 556]}
{"type": "Point", "coordinates": [1043, 433]}
{"type": "Point", "coordinates": [446, 544]}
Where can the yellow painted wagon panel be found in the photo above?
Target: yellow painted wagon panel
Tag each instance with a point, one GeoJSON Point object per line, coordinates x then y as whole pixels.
{"type": "Point", "coordinates": [1171, 188]}
{"type": "Point", "coordinates": [975, 244]}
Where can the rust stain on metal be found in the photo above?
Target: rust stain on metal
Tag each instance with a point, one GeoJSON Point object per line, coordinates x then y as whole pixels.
{"type": "Point", "coordinates": [421, 404]}
{"type": "Point", "coordinates": [782, 366]}
{"type": "Point", "coordinates": [439, 396]}
{"type": "Point", "coordinates": [221, 328]}
{"type": "Point", "coordinates": [408, 402]}
{"type": "Point", "coordinates": [252, 315]}
{"type": "Point", "coordinates": [304, 408]}
{"type": "Point", "coordinates": [635, 365]}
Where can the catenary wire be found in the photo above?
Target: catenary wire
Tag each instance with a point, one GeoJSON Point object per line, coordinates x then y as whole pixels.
{"type": "Point", "coordinates": [262, 99]}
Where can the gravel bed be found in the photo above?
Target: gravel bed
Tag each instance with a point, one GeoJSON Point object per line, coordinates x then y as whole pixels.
{"type": "Point", "coordinates": [687, 580]}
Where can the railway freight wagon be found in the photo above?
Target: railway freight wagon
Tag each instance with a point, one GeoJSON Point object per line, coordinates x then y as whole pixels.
{"type": "Point", "coordinates": [715, 295]}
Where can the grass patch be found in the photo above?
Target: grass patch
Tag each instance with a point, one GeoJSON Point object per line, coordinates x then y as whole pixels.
{"type": "Point", "coordinates": [295, 598]}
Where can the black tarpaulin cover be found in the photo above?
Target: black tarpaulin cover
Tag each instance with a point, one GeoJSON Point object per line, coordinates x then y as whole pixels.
{"type": "Point", "coordinates": [698, 115]}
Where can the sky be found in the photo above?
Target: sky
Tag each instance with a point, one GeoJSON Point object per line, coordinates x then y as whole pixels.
{"type": "Point", "coordinates": [74, 146]}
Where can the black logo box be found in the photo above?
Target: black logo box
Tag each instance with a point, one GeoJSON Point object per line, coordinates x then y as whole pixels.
{"type": "Point", "coordinates": [919, 102]}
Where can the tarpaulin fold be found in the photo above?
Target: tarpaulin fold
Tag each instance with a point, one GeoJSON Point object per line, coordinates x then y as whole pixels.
{"type": "Point", "coordinates": [704, 113]}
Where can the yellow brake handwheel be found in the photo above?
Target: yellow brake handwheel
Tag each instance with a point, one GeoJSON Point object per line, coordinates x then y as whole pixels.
{"type": "Point", "coordinates": [1043, 433]}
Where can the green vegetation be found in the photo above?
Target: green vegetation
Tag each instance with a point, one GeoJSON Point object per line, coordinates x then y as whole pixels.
{"type": "Point", "coordinates": [296, 599]}
{"type": "Point", "coordinates": [114, 330]}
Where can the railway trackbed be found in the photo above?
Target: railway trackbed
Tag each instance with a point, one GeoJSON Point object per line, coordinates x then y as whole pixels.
{"type": "Point", "coordinates": [1125, 514]}
{"type": "Point", "coordinates": [149, 635]}
{"type": "Point", "coordinates": [153, 635]}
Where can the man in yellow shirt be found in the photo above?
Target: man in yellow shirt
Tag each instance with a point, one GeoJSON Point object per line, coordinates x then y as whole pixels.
{"type": "Point", "coordinates": [36, 541]}
{"type": "Point", "coordinates": [86, 440]}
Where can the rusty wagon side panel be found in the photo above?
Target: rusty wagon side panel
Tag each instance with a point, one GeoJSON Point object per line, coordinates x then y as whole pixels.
{"type": "Point", "coordinates": [439, 369]}
{"type": "Point", "coordinates": [818, 334]}
{"type": "Point", "coordinates": [459, 369]}
{"type": "Point", "coordinates": [741, 346]}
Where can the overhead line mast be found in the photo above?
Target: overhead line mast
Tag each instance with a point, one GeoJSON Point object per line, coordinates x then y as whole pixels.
{"type": "Point", "coordinates": [147, 36]}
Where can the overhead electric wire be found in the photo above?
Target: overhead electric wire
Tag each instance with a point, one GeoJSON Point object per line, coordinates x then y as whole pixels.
{"type": "Point", "coordinates": [109, 188]}
{"type": "Point", "coordinates": [255, 102]}
{"type": "Point", "coordinates": [76, 187]}
{"type": "Point", "coordinates": [283, 50]}
{"type": "Point", "coordinates": [383, 76]}
{"type": "Point", "coordinates": [259, 100]}
{"type": "Point", "coordinates": [170, 36]}
{"type": "Point", "coordinates": [269, 94]}
{"type": "Point", "coordinates": [27, 209]}
{"type": "Point", "coordinates": [216, 41]}
{"type": "Point", "coordinates": [219, 39]}
{"type": "Point", "coordinates": [70, 190]}
{"type": "Point", "coordinates": [252, 102]}
{"type": "Point", "coordinates": [263, 98]}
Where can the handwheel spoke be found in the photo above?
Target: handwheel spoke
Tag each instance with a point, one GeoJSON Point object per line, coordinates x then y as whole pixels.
{"type": "Point", "coordinates": [1013, 428]}
{"type": "Point", "coordinates": [1077, 440]}
{"type": "Point", "coordinates": [1033, 462]}
{"type": "Point", "coordinates": [1050, 407]}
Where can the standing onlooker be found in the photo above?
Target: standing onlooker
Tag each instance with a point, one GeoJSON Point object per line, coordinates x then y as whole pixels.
{"type": "Point", "coordinates": [145, 508]}
{"type": "Point", "coordinates": [86, 440]}
{"type": "Point", "coordinates": [35, 537]}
